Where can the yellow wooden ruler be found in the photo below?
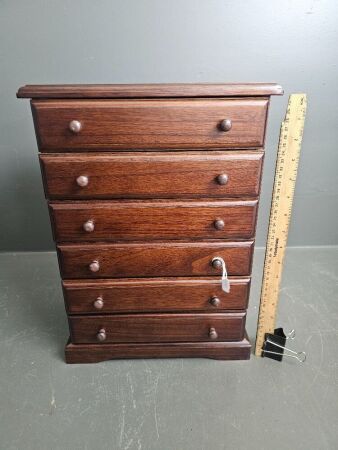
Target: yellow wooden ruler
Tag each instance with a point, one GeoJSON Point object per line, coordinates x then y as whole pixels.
{"type": "Point", "coordinates": [283, 191]}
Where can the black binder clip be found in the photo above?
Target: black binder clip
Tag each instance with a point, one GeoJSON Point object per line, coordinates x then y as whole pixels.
{"type": "Point", "coordinates": [274, 346]}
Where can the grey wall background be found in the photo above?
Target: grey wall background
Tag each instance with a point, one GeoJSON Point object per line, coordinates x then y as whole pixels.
{"type": "Point", "coordinates": [125, 41]}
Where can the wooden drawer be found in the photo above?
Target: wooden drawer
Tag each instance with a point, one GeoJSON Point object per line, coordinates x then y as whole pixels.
{"type": "Point", "coordinates": [157, 327]}
{"type": "Point", "coordinates": [152, 175]}
{"type": "Point", "coordinates": [130, 220]}
{"type": "Point", "coordinates": [149, 124]}
{"type": "Point", "coordinates": [162, 259]}
{"type": "Point", "coordinates": [151, 295]}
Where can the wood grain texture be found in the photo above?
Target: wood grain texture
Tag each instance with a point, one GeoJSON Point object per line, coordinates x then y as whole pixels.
{"type": "Point", "coordinates": [153, 220]}
{"type": "Point", "coordinates": [148, 184]}
{"type": "Point", "coordinates": [151, 295]}
{"type": "Point", "coordinates": [152, 175]}
{"type": "Point", "coordinates": [93, 353]}
{"type": "Point", "coordinates": [162, 259]}
{"type": "Point", "coordinates": [149, 90]}
{"type": "Point", "coordinates": [157, 327]}
{"type": "Point", "coordinates": [149, 124]}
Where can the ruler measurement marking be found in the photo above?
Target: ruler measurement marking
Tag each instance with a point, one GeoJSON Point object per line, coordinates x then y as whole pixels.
{"type": "Point", "coordinates": [291, 134]}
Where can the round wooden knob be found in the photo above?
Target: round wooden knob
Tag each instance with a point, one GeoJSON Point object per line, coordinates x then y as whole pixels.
{"type": "Point", "coordinates": [225, 125]}
{"type": "Point", "coordinates": [219, 224]}
{"type": "Point", "coordinates": [222, 179]}
{"type": "Point", "coordinates": [75, 126]}
{"type": "Point", "coordinates": [94, 266]}
{"type": "Point", "coordinates": [217, 263]}
{"type": "Point", "coordinates": [213, 333]}
{"type": "Point", "coordinates": [98, 304]}
{"type": "Point", "coordinates": [82, 181]}
{"type": "Point", "coordinates": [101, 335]}
{"type": "Point", "coordinates": [89, 226]}
{"type": "Point", "coordinates": [215, 301]}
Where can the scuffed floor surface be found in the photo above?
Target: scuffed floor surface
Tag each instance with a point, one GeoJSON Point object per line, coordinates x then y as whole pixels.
{"type": "Point", "coordinates": [167, 404]}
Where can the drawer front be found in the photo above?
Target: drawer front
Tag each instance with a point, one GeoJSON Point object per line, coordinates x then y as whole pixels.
{"type": "Point", "coordinates": [152, 175]}
{"type": "Point", "coordinates": [157, 328]}
{"type": "Point", "coordinates": [151, 295]}
{"type": "Point", "coordinates": [126, 220]}
{"type": "Point", "coordinates": [152, 124]}
{"type": "Point", "coordinates": [183, 259]}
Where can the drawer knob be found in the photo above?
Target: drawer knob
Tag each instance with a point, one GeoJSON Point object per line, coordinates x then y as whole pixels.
{"type": "Point", "coordinates": [101, 335]}
{"type": "Point", "coordinates": [98, 304]}
{"type": "Point", "coordinates": [213, 333]}
{"type": "Point", "coordinates": [219, 224]}
{"type": "Point", "coordinates": [89, 226]}
{"type": "Point", "coordinates": [225, 125]}
{"type": "Point", "coordinates": [82, 180]}
{"type": "Point", "coordinates": [215, 301]}
{"type": "Point", "coordinates": [94, 266]}
{"type": "Point", "coordinates": [75, 126]}
{"type": "Point", "coordinates": [216, 263]}
{"type": "Point", "coordinates": [222, 179]}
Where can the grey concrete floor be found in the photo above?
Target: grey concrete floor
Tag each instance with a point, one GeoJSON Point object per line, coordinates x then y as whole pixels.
{"type": "Point", "coordinates": [167, 404]}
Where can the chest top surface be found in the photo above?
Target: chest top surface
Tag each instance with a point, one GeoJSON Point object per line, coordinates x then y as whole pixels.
{"type": "Point", "coordinates": [179, 90]}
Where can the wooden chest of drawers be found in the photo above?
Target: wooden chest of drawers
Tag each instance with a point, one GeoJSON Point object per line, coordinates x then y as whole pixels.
{"type": "Point", "coordinates": [148, 185]}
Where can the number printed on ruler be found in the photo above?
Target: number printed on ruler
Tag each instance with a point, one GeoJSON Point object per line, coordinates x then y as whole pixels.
{"type": "Point", "coordinates": [283, 192]}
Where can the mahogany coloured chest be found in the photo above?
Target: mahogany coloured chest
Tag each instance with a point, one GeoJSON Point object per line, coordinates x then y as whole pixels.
{"type": "Point", "coordinates": [150, 189]}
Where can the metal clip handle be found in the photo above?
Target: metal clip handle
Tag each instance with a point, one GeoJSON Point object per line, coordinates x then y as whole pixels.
{"type": "Point", "coordinates": [300, 356]}
{"type": "Point", "coordinates": [224, 280]}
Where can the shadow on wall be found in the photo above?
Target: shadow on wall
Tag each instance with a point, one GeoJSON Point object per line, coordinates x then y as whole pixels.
{"type": "Point", "coordinates": [26, 212]}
